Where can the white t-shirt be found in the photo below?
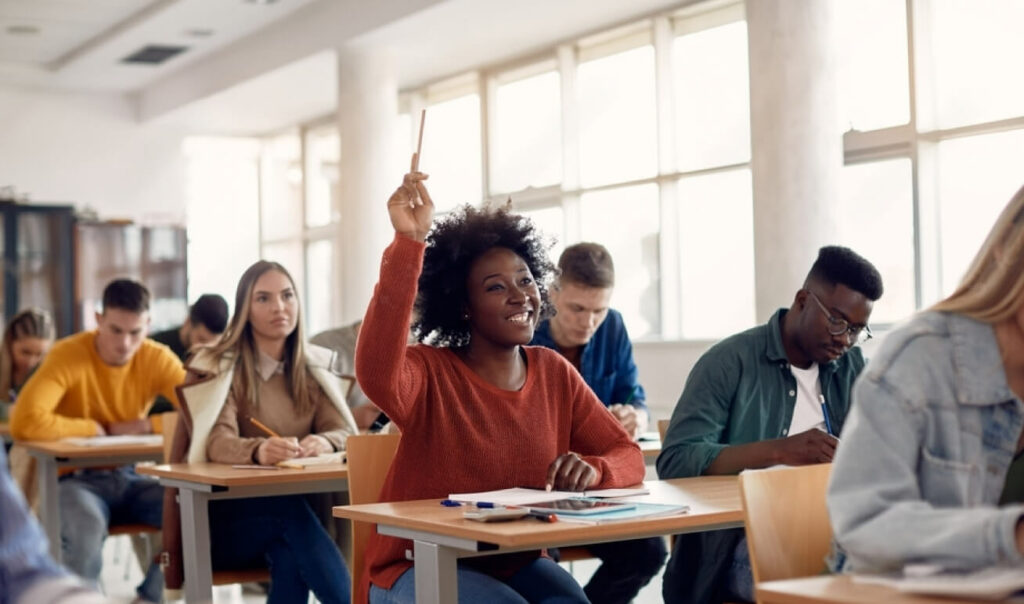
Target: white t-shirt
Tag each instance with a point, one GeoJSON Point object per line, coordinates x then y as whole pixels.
{"type": "Point", "coordinates": [807, 413]}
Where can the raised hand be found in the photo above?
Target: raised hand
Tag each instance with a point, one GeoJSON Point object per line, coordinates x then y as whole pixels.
{"type": "Point", "coordinates": [813, 446]}
{"type": "Point", "coordinates": [411, 208]}
{"type": "Point", "coordinates": [570, 473]}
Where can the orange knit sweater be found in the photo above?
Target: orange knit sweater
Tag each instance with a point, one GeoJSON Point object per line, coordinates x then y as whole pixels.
{"type": "Point", "coordinates": [461, 434]}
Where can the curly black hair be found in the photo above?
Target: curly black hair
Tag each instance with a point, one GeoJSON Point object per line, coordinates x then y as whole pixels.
{"type": "Point", "coordinates": [453, 244]}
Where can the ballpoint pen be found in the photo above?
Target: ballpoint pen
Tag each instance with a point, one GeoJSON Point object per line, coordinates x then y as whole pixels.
{"type": "Point", "coordinates": [824, 412]}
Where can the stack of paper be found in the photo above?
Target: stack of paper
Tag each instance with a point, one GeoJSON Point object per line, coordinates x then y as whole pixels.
{"type": "Point", "coordinates": [318, 460]}
{"type": "Point", "coordinates": [121, 439]}
{"type": "Point", "coordinates": [994, 583]}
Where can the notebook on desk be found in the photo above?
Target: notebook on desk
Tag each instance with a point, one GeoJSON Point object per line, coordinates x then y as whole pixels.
{"type": "Point", "coordinates": [337, 458]}
{"type": "Point", "coordinates": [121, 439]}
{"type": "Point", "coordinates": [522, 496]}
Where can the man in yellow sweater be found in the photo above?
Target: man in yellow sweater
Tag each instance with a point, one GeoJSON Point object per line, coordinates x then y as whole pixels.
{"type": "Point", "coordinates": [94, 383]}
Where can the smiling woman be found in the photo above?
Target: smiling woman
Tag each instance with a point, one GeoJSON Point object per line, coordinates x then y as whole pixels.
{"type": "Point", "coordinates": [512, 411]}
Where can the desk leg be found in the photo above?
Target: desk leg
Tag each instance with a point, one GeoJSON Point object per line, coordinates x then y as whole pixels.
{"type": "Point", "coordinates": [49, 510]}
{"type": "Point", "coordinates": [436, 574]}
{"type": "Point", "coordinates": [195, 542]}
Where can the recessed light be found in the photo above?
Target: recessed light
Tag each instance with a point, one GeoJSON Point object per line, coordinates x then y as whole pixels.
{"type": "Point", "coordinates": [199, 32]}
{"type": "Point", "coordinates": [22, 30]}
{"type": "Point", "coordinates": [261, 1]}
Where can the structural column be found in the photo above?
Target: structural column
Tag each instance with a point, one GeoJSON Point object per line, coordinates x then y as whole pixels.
{"type": "Point", "coordinates": [796, 141]}
{"type": "Point", "coordinates": [368, 171]}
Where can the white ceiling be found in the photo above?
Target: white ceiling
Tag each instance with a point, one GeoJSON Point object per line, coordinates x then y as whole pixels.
{"type": "Point", "coordinates": [267, 65]}
{"type": "Point", "coordinates": [79, 44]}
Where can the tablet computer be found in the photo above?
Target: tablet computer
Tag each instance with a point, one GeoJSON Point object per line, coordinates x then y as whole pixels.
{"type": "Point", "coordinates": [580, 506]}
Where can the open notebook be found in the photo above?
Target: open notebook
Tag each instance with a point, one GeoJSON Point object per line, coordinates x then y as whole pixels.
{"type": "Point", "coordinates": [337, 458]}
{"type": "Point", "coordinates": [521, 496]}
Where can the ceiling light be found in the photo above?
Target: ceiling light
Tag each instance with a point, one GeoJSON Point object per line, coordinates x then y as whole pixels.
{"type": "Point", "coordinates": [22, 30]}
{"type": "Point", "coordinates": [199, 32]}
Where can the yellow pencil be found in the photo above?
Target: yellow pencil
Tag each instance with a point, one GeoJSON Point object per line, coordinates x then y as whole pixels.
{"type": "Point", "coordinates": [263, 427]}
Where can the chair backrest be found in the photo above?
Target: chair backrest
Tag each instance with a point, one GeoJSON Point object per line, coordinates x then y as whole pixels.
{"type": "Point", "coordinates": [170, 424]}
{"type": "Point", "coordinates": [369, 457]}
{"type": "Point", "coordinates": [662, 429]}
{"type": "Point", "coordinates": [788, 531]}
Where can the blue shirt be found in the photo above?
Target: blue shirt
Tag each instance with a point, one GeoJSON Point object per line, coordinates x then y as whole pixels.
{"type": "Point", "coordinates": [606, 362]}
{"type": "Point", "coordinates": [24, 557]}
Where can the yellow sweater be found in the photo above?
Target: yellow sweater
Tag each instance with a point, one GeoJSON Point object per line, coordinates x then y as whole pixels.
{"type": "Point", "coordinates": [73, 389]}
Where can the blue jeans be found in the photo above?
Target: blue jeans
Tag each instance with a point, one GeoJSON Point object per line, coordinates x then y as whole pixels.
{"type": "Point", "coordinates": [541, 581]}
{"type": "Point", "coordinates": [284, 534]}
{"type": "Point", "coordinates": [90, 501]}
{"type": "Point", "coordinates": [626, 566]}
{"type": "Point", "coordinates": [740, 577]}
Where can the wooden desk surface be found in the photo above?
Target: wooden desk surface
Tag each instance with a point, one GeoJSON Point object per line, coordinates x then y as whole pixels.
{"type": "Point", "coordinates": [841, 589]}
{"type": "Point", "coordinates": [66, 450]}
{"type": "Point", "coordinates": [714, 501]}
{"type": "Point", "coordinates": [219, 474]}
{"type": "Point", "coordinates": [650, 448]}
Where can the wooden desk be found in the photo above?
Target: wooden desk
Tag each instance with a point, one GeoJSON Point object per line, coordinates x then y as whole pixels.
{"type": "Point", "coordinates": [841, 589]}
{"type": "Point", "coordinates": [650, 449]}
{"type": "Point", "coordinates": [198, 484]}
{"type": "Point", "coordinates": [441, 535]}
{"type": "Point", "coordinates": [5, 432]}
{"type": "Point", "coordinates": [51, 455]}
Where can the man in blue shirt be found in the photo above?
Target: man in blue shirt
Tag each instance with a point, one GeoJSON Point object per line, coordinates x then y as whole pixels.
{"type": "Point", "coordinates": [593, 338]}
{"type": "Point", "coordinates": [27, 574]}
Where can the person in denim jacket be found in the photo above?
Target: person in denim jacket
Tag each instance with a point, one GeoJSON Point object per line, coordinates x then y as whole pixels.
{"type": "Point", "coordinates": [937, 420]}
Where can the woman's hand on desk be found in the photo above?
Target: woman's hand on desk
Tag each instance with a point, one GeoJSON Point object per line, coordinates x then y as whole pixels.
{"type": "Point", "coordinates": [570, 473]}
{"type": "Point", "coordinates": [314, 444]}
{"type": "Point", "coordinates": [277, 448]}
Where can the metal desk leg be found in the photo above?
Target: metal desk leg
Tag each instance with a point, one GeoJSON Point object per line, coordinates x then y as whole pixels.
{"type": "Point", "coordinates": [436, 574]}
{"type": "Point", "coordinates": [49, 510]}
{"type": "Point", "coordinates": [195, 541]}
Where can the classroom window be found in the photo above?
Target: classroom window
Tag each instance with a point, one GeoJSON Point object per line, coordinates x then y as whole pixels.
{"type": "Point", "coordinates": [876, 215]}
{"type": "Point", "coordinates": [319, 261]}
{"type": "Point", "coordinates": [323, 150]}
{"type": "Point", "coordinates": [618, 138]}
{"type": "Point", "coordinates": [976, 49]}
{"type": "Point", "coordinates": [549, 221]}
{"type": "Point", "coordinates": [632, 237]}
{"type": "Point", "coordinates": [451, 151]}
{"type": "Point", "coordinates": [873, 72]}
{"type": "Point", "coordinates": [715, 220]}
{"type": "Point", "coordinates": [527, 145]}
{"type": "Point", "coordinates": [976, 179]}
{"type": "Point", "coordinates": [281, 187]}
{"type": "Point", "coordinates": [711, 88]}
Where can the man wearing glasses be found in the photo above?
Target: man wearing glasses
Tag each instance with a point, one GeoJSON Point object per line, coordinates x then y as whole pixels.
{"type": "Point", "coordinates": [774, 394]}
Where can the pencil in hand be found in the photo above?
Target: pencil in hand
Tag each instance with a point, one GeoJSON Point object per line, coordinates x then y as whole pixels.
{"type": "Point", "coordinates": [263, 427]}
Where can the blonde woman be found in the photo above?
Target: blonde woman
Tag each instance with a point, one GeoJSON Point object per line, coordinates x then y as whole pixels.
{"type": "Point", "coordinates": [937, 420]}
{"type": "Point", "coordinates": [263, 370]}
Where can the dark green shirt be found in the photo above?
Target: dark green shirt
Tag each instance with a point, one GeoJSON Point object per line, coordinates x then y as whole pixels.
{"type": "Point", "coordinates": [742, 391]}
{"type": "Point", "coordinates": [172, 339]}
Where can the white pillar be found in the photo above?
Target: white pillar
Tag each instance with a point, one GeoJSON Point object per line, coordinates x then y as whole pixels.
{"type": "Point", "coordinates": [369, 170]}
{"type": "Point", "coordinates": [796, 141]}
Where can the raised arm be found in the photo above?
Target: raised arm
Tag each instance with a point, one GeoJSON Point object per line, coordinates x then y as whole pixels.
{"type": "Point", "coordinates": [389, 374]}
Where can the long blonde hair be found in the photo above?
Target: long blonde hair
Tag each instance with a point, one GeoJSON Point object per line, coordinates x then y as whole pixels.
{"type": "Point", "coordinates": [993, 288]}
{"type": "Point", "coordinates": [238, 342]}
{"type": "Point", "coordinates": [29, 323]}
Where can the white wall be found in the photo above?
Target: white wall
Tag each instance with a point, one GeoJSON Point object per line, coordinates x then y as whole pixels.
{"type": "Point", "coordinates": [663, 367]}
{"type": "Point", "coordinates": [88, 149]}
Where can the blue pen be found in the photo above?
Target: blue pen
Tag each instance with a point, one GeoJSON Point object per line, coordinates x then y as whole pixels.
{"type": "Point", "coordinates": [486, 504]}
{"type": "Point", "coordinates": [824, 412]}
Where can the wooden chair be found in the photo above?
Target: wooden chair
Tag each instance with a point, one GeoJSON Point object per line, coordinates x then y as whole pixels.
{"type": "Point", "coordinates": [788, 530]}
{"type": "Point", "coordinates": [662, 429]}
{"type": "Point", "coordinates": [220, 577]}
{"type": "Point", "coordinates": [369, 457]}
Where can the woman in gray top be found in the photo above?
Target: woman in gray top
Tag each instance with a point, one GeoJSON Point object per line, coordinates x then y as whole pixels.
{"type": "Point", "coordinates": [937, 420]}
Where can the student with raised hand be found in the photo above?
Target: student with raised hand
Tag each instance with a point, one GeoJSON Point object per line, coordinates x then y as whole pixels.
{"type": "Point", "coordinates": [478, 409]}
{"type": "Point", "coordinates": [774, 394]}
{"type": "Point", "coordinates": [937, 420]}
{"type": "Point", "coordinates": [593, 337]}
{"type": "Point", "coordinates": [94, 383]}
{"type": "Point", "coordinates": [264, 376]}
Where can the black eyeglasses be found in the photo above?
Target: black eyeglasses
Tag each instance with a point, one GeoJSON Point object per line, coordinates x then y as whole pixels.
{"type": "Point", "coordinates": [837, 326]}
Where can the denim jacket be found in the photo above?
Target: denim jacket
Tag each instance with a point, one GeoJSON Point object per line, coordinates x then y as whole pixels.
{"type": "Point", "coordinates": [925, 452]}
